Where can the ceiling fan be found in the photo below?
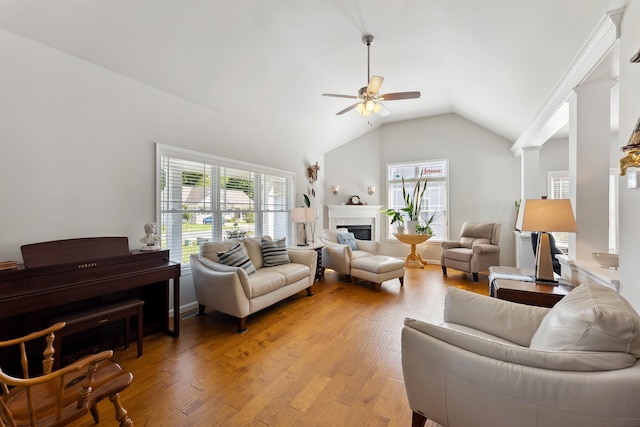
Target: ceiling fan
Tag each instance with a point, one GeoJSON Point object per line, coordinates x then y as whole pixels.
{"type": "Point", "coordinates": [368, 98]}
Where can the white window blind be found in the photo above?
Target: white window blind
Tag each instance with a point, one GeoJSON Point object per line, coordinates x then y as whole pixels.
{"type": "Point", "coordinates": [558, 188]}
{"type": "Point", "coordinates": [205, 198]}
{"type": "Point", "coordinates": [435, 199]}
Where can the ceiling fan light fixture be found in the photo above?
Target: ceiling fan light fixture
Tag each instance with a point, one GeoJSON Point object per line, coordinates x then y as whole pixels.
{"type": "Point", "coordinates": [367, 99]}
{"type": "Point", "coordinates": [370, 105]}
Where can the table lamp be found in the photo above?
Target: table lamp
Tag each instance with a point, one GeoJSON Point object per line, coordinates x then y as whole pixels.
{"type": "Point", "coordinates": [544, 216]}
{"type": "Point", "coordinates": [302, 216]}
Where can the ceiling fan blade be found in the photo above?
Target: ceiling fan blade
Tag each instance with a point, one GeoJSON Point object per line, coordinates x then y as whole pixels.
{"type": "Point", "coordinates": [340, 96]}
{"type": "Point", "coordinates": [374, 84]}
{"type": "Point", "coordinates": [349, 108]}
{"type": "Point", "coordinates": [399, 95]}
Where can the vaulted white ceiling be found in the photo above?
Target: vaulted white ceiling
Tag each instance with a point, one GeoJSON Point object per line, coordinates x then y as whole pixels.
{"type": "Point", "coordinates": [266, 63]}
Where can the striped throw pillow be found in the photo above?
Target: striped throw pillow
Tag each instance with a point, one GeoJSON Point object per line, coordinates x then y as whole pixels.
{"type": "Point", "coordinates": [274, 252]}
{"type": "Point", "coordinates": [237, 257]}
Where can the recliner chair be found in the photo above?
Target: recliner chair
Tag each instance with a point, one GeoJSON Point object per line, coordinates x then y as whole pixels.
{"type": "Point", "coordinates": [338, 256]}
{"type": "Point", "coordinates": [476, 251]}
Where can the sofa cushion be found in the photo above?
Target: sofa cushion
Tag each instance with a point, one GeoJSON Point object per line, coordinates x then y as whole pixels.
{"type": "Point", "coordinates": [237, 257]}
{"type": "Point", "coordinates": [253, 246]}
{"type": "Point", "coordinates": [264, 281]}
{"type": "Point", "coordinates": [460, 254]}
{"type": "Point", "coordinates": [292, 272]}
{"type": "Point", "coordinates": [210, 250]}
{"type": "Point", "coordinates": [348, 239]}
{"type": "Point", "coordinates": [590, 318]}
{"type": "Point", "coordinates": [274, 252]}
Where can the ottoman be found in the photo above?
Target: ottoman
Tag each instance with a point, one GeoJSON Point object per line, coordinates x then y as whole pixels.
{"type": "Point", "coordinates": [377, 269]}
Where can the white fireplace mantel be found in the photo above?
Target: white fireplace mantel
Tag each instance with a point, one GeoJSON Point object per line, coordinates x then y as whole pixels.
{"type": "Point", "coordinates": [356, 215]}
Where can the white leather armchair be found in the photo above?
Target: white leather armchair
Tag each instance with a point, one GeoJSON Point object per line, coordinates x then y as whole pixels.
{"type": "Point", "coordinates": [338, 257]}
{"type": "Point", "coordinates": [500, 364]}
{"type": "Point", "coordinates": [476, 251]}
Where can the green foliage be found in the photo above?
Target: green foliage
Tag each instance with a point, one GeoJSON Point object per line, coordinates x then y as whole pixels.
{"type": "Point", "coordinates": [240, 184]}
{"type": "Point", "coordinates": [187, 215]}
{"type": "Point", "coordinates": [249, 217]}
{"type": "Point", "coordinates": [396, 216]}
{"type": "Point", "coordinates": [307, 201]}
{"type": "Point", "coordinates": [236, 233]}
{"type": "Point", "coordinates": [413, 202]}
{"type": "Point", "coordinates": [194, 179]}
{"type": "Point", "coordinates": [426, 228]}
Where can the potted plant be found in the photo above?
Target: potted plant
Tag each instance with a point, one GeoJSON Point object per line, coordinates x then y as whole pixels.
{"type": "Point", "coordinates": [413, 202]}
{"type": "Point", "coordinates": [396, 216]}
{"type": "Point", "coordinates": [426, 228]}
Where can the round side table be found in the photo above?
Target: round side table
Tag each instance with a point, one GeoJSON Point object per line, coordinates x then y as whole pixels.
{"type": "Point", "coordinates": [413, 259]}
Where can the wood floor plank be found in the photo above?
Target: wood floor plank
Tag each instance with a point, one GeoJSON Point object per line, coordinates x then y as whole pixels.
{"type": "Point", "coordinates": [333, 359]}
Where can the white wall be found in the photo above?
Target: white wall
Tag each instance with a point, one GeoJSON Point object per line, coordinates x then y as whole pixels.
{"type": "Point", "coordinates": [629, 113]}
{"type": "Point", "coordinates": [484, 176]}
{"type": "Point", "coordinates": [554, 156]}
{"type": "Point", "coordinates": [77, 154]}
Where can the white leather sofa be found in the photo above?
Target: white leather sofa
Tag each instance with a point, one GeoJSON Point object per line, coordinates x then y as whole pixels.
{"type": "Point", "coordinates": [500, 364]}
{"type": "Point", "coordinates": [232, 291]}
{"type": "Point", "coordinates": [338, 256]}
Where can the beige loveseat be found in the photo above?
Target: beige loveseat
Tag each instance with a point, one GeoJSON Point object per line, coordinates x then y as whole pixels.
{"type": "Point", "coordinates": [338, 256]}
{"type": "Point", "coordinates": [234, 291]}
{"type": "Point", "coordinates": [501, 364]}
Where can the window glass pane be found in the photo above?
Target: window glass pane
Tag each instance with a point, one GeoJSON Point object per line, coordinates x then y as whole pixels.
{"type": "Point", "coordinates": [435, 198]}
{"type": "Point", "coordinates": [203, 199]}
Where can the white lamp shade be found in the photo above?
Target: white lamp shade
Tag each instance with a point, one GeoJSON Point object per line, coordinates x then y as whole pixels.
{"type": "Point", "coordinates": [546, 215]}
{"type": "Point", "coordinates": [303, 215]}
{"type": "Point", "coordinates": [298, 215]}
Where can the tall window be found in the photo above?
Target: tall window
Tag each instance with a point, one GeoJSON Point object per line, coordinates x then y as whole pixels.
{"type": "Point", "coordinates": [204, 198]}
{"type": "Point", "coordinates": [558, 182]}
{"type": "Point", "coordinates": [435, 199]}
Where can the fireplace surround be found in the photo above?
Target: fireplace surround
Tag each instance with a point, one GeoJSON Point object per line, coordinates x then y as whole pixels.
{"type": "Point", "coordinates": [356, 216]}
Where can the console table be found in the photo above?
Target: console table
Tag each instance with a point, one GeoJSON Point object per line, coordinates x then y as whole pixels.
{"type": "Point", "coordinates": [413, 259]}
{"type": "Point", "coordinates": [531, 293]}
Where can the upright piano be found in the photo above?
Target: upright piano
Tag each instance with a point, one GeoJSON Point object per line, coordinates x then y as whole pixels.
{"type": "Point", "coordinates": [62, 276]}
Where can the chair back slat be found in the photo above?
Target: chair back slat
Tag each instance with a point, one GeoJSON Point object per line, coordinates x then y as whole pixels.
{"type": "Point", "coordinates": [58, 397]}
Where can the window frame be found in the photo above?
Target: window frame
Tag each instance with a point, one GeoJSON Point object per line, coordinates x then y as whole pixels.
{"type": "Point", "coordinates": [218, 166]}
{"type": "Point", "coordinates": [445, 213]}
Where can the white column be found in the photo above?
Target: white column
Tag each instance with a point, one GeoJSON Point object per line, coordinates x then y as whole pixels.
{"type": "Point", "coordinates": [589, 138]}
{"type": "Point", "coordinates": [530, 172]}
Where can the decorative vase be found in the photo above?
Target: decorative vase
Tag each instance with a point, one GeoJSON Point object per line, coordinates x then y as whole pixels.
{"type": "Point", "coordinates": [400, 229]}
{"type": "Point", "coordinates": [411, 226]}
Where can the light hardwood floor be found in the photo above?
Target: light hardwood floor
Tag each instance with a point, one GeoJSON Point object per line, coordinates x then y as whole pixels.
{"type": "Point", "coordinates": [328, 360]}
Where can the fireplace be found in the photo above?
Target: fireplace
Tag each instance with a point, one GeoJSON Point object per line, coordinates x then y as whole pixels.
{"type": "Point", "coordinates": [361, 232]}
{"type": "Point", "coordinates": [357, 216]}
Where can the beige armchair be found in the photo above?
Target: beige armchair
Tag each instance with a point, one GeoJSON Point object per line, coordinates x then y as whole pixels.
{"type": "Point", "coordinates": [338, 257]}
{"type": "Point", "coordinates": [476, 251]}
{"type": "Point", "coordinates": [501, 364]}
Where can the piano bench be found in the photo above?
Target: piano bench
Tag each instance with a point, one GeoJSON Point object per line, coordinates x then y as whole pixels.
{"type": "Point", "coordinates": [83, 320]}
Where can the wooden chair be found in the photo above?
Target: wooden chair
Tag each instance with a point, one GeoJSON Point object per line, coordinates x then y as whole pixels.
{"type": "Point", "coordinates": [55, 398]}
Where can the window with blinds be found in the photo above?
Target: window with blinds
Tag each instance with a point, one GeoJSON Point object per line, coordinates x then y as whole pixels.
{"type": "Point", "coordinates": [558, 182]}
{"type": "Point", "coordinates": [435, 199]}
{"type": "Point", "coordinates": [206, 198]}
